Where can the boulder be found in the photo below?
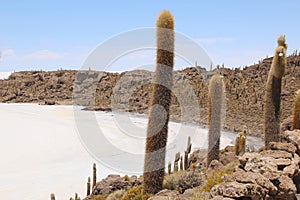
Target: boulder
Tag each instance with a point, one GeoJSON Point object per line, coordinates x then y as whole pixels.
{"type": "Point", "coordinates": [166, 195]}
{"type": "Point", "coordinates": [115, 182]}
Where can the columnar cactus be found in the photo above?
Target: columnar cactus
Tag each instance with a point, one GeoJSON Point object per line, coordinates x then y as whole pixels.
{"type": "Point", "coordinates": [94, 175]}
{"type": "Point", "coordinates": [296, 111]}
{"type": "Point", "coordinates": [88, 187]}
{"type": "Point", "coordinates": [240, 144]}
{"type": "Point", "coordinates": [181, 163]}
{"type": "Point", "coordinates": [215, 106]}
{"type": "Point", "coordinates": [186, 153]}
{"type": "Point", "coordinates": [157, 132]}
{"type": "Point", "coordinates": [169, 168]}
{"type": "Point", "coordinates": [52, 196]}
{"type": "Point", "coordinates": [177, 157]}
{"type": "Point", "coordinates": [273, 92]}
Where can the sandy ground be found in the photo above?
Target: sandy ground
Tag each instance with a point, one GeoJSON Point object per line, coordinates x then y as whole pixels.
{"type": "Point", "coordinates": [43, 151]}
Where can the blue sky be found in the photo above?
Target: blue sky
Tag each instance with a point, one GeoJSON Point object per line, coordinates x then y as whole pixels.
{"type": "Point", "coordinates": [57, 34]}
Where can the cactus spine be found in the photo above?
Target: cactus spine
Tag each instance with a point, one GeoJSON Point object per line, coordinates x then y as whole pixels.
{"type": "Point", "coordinates": [273, 92]}
{"type": "Point", "coordinates": [215, 103]}
{"type": "Point", "coordinates": [94, 176]}
{"type": "Point", "coordinates": [88, 187]}
{"type": "Point", "coordinates": [296, 111]}
{"type": "Point", "coordinates": [157, 131]}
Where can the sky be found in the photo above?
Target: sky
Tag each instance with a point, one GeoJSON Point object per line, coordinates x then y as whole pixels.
{"type": "Point", "coordinates": [61, 34]}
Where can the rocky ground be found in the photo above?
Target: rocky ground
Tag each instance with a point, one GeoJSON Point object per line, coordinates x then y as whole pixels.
{"type": "Point", "coordinates": [131, 91]}
{"type": "Point", "coordinates": [266, 175]}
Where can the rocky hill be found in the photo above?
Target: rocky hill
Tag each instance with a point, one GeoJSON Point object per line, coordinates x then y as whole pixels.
{"type": "Point", "coordinates": [131, 91]}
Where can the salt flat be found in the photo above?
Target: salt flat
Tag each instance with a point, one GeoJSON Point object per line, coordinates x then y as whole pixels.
{"type": "Point", "coordinates": [42, 150]}
{"type": "Point", "coordinates": [4, 75]}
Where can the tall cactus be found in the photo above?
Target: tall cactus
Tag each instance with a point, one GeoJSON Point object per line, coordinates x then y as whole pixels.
{"type": "Point", "coordinates": [273, 92]}
{"type": "Point", "coordinates": [157, 131]}
{"type": "Point", "coordinates": [215, 106]}
{"type": "Point", "coordinates": [296, 111]}
{"type": "Point", "coordinates": [94, 175]}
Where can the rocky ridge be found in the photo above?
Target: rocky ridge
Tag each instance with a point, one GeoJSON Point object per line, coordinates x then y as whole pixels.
{"type": "Point", "coordinates": [131, 91]}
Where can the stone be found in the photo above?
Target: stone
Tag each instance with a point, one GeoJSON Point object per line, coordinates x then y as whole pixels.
{"type": "Point", "coordinates": [248, 156]}
{"type": "Point", "coordinates": [166, 195]}
{"type": "Point", "coordinates": [286, 188]}
{"type": "Point", "coordinates": [115, 182]}
{"type": "Point", "coordinates": [292, 137]}
{"type": "Point", "coordinates": [261, 165]}
{"type": "Point", "coordinates": [228, 157]}
{"type": "Point", "coordinates": [214, 166]}
{"type": "Point", "coordinates": [282, 163]}
{"type": "Point", "coordinates": [276, 154]}
{"type": "Point", "coordinates": [289, 147]}
{"type": "Point", "coordinates": [220, 198]}
{"type": "Point", "coordinates": [238, 190]}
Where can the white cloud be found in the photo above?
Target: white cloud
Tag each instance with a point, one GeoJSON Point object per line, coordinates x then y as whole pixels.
{"type": "Point", "coordinates": [209, 41]}
{"type": "Point", "coordinates": [43, 55]}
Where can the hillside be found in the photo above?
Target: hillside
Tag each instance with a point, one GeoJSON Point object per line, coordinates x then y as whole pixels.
{"type": "Point", "coordinates": [131, 91]}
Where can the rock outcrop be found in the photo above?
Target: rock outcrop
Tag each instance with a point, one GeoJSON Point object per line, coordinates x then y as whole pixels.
{"type": "Point", "coordinates": [115, 182]}
{"type": "Point", "coordinates": [131, 91]}
{"type": "Point", "coordinates": [270, 174]}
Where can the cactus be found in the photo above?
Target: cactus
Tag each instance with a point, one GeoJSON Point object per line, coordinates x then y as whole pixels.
{"type": "Point", "coordinates": [52, 196]}
{"type": "Point", "coordinates": [76, 197]}
{"type": "Point", "coordinates": [177, 157]}
{"type": "Point", "coordinates": [296, 111]}
{"type": "Point", "coordinates": [94, 176]}
{"type": "Point", "coordinates": [273, 92]}
{"type": "Point", "coordinates": [88, 187]}
{"type": "Point", "coordinates": [215, 102]}
{"type": "Point", "coordinates": [186, 153]}
{"type": "Point", "coordinates": [157, 132]}
{"type": "Point", "coordinates": [240, 144]}
{"type": "Point", "coordinates": [169, 168]}
{"type": "Point", "coordinates": [181, 163]}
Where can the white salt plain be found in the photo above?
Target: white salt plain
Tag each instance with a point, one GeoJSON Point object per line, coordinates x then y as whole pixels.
{"type": "Point", "coordinates": [41, 151]}
{"type": "Point", "coordinates": [4, 75]}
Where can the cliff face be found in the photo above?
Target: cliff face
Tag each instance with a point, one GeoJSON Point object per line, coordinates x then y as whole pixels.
{"type": "Point", "coordinates": [131, 91]}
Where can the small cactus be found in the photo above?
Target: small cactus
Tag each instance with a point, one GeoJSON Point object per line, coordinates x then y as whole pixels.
{"type": "Point", "coordinates": [88, 189]}
{"type": "Point", "coordinates": [76, 197]}
{"type": "Point", "coordinates": [296, 111]}
{"type": "Point", "coordinates": [169, 168]}
{"type": "Point", "coordinates": [273, 93]}
{"type": "Point", "coordinates": [177, 157]}
{"type": "Point", "coordinates": [215, 102]}
{"type": "Point", "coordinates": [181, 163]}
{"type": "Point", "coordinates": [240, 144]}
{"type": "Point", "coordinates": [186, 153]}
{"type": "Point", "coordinates": [52, 196]}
